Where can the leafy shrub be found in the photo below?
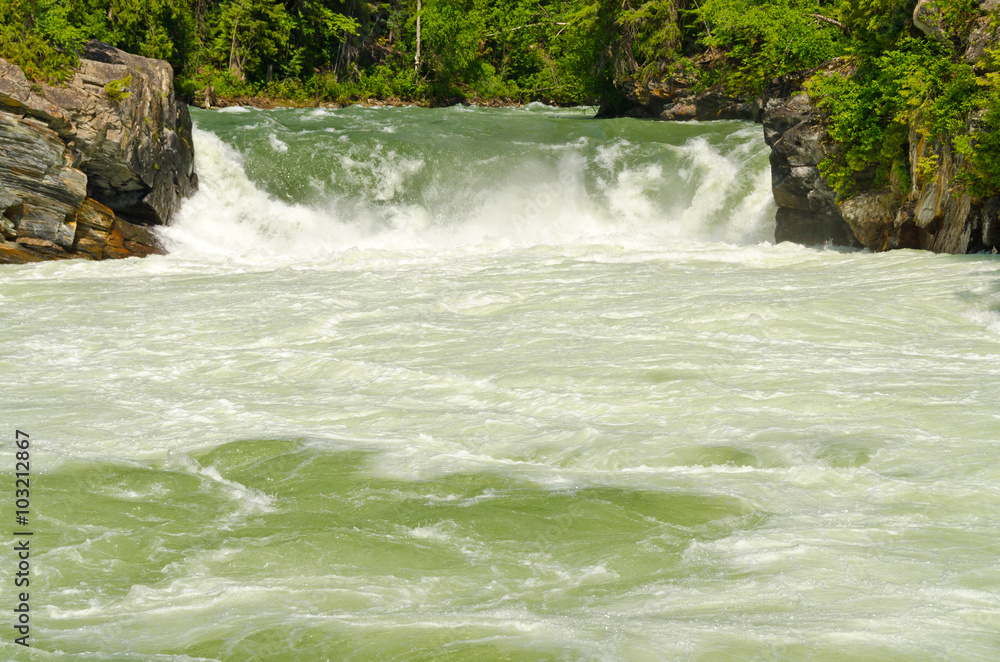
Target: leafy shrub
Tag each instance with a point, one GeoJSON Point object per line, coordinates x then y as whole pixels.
{"type": "Point", "coordinates": [870, 113]}
{"type": "Point", "coordinates": [981, 149]}
{"type": "Point", "coordinates": [767, 38]}
{"type": "Point", "coordinates": [119, 90]}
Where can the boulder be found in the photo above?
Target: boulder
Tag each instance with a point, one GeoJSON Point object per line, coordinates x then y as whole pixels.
{"type": "Point", "coordinates": [807, 211]}
{"type": "Point", "coordinates": [672, 97]}
{"type": "Point", "coordinates": [877, 221]}
{"type": "Point", "coordinates": [927, 18]}
{"type": "Point", "coordinates": [114, 138]}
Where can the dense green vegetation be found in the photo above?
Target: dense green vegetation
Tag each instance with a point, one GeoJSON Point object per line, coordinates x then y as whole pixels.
{"type": "Point", "coordinates": [565, 51]}
{"type": "Point", "coordinates": [562, 51]}
{"type": "Point", "coordinates": [330, 49]}
{"type": "Point", "coordinates": [903, 78]}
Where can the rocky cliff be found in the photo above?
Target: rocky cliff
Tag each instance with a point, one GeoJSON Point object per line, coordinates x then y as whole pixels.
{"type": "Point", "coordinates": [933, 213]}
{"type": "Point", "coordinates": [929, 211]}
{"type": "Point", "coordinates": [85, 169]}
{"type": "Point", "coordinates": [793, 129]}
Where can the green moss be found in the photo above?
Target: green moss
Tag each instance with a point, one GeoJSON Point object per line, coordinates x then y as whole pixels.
{"type": "Point", "coordinates": [119, 90]}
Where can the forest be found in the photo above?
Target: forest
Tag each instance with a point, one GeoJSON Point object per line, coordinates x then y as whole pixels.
{"type": "Point", "coordinates": [556, 51]}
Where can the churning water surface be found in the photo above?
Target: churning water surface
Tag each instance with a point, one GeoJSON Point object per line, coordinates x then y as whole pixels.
{"type": "Point", "coordinates": [479, 384]}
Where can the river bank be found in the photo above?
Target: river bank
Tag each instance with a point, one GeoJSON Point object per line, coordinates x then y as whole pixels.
{"type": "Point", "coordinates": [207, 100]}
{"type": "Point", "coordinates": [893, 149]}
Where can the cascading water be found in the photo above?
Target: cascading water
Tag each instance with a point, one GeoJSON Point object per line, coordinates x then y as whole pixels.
{"type": "Point", "coordinates": [304, 184]}
{"type": "Point", "coordinates": [480, 384]}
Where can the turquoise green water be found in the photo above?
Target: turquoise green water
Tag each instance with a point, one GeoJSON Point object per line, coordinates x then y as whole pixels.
{"type": "Point", "coordinates": [469, 384]}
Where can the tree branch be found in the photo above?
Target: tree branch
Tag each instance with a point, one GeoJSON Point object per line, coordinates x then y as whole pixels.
{"type": "Point", "coordinates": [827, 19]}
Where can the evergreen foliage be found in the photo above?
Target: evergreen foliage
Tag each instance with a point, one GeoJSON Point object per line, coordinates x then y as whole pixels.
{"type": "Point", "coordinates": [767, 38]}
{"type": "Point", "coordinates": [905, 77]}
{"type": "Point", "coordinates": [35, 35]}
{"type": "Point", "coordinates": [562, 51]}
{"type": "Point", "coordinates": [512, 50]}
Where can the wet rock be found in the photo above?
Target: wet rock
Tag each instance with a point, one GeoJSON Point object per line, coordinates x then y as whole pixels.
{"type": "Point", "coordinates": [11, 253]}
{"type": "Point", "coordinates": [681, 111]}
{"type": "Point", "coordinates": [93, 227]}
{"type": "Point", "coordinates": [811, 228]}
{"type": "Point", "coordinates": [672, 98]}
{"type": "Point", "coordinates": [988, 223]}
{"type": "Point", "coordinates": [807, 211]}
{"type": "Point", "coordinates": [872, 217]}
{"type": "Point", "coordinates": [715, 104]}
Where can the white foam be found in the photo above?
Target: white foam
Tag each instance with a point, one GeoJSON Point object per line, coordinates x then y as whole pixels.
{"type": "Point", "coordinates": [277, 144]}
{"type": "Point", "coordinates": [373, 200]}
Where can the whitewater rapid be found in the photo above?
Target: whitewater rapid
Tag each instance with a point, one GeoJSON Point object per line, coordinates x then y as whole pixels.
{"type": "Point", "coordinates": [516, 384]}
{"type": "Point", "coordinates": [463, 177]}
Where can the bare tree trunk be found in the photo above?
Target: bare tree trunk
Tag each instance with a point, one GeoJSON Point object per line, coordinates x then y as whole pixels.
{"type": "Point", "coordinates": [233, 62]}
{"type": "Point", "coordinates": [416, 58]}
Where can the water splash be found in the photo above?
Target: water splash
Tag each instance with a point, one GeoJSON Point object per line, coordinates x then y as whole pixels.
{"type": "Point", "coordinates": [310, 183]}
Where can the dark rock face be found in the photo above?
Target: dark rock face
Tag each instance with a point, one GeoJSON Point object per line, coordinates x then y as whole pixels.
{"type": "Point", "coordinates": [933, 214]}
{"type": "Point", "coordinates": [670, 98]}
{"type": "Point", "coordinates": [113, 141]}
{"type": "Point", "coordinates": [807, 211]}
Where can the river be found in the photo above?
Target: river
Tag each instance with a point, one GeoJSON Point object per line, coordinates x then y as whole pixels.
{"type": "Point", "coordinates": [503, 384]}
